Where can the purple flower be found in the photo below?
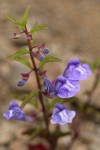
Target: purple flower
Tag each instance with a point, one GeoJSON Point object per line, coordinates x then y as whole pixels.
{"type": "Point", "coordinates": [62, 115]}
{"type": "Point", "coordinates": [14, 112]}
{"type": "Point", "coordinates": [76, 71]}
{"type": "Point", "coordinates": [49, 87]}
{"type": "Point", "coordinates": [66, 88]}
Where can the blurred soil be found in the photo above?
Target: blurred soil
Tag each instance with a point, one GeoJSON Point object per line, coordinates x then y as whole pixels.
{"type": "Point", "coordinates": [74, 31]}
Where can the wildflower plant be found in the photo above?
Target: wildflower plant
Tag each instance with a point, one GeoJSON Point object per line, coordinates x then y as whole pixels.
{"type": "Point", "coordinates": [63, 87]}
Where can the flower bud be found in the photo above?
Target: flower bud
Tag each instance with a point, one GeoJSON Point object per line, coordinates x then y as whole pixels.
{"type": "Point", "coordinates": [45, 51]}
{"type": "Point", "coordinates": [25, 76]}
{"type": "Point", "coordinates": [40, 57]}
{"type": "Point", "coordinates": [21, 82]}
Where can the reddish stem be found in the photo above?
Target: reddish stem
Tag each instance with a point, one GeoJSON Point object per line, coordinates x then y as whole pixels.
{"type": "Point", "coordinates": [37, 78]}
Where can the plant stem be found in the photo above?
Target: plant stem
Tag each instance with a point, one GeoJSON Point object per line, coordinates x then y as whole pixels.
{"type": "Point", "coordinates": [37, 78]}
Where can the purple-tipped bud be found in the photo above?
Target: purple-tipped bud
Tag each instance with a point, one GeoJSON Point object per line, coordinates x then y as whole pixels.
{"type": "Point", "coordinates": [45, 51]}
{"type": "Point", "coordinates": [21, 82]}
{"type": "Point", "coordinates": [40, 57]}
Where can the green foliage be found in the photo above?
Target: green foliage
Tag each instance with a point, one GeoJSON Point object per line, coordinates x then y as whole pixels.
{"type": "Point", "coordinates": [33, 101]}
{"type": "Point", "coordinates": [23, 61]}
{"type": "Point", "coordinates": [17, 56]}
{"type": "Point", "coordinates": [95, 64]}
{"type": "Point", "coordinates": [35, 133]}
{"type": "Point", "coordinates": [37, 28]}
{"type": "Point", "coordinates": [25, 16]}
{"type": "Point", "coordinates": [30, 98]}
{"type": "Point", "coordinates": [19, 53]}
{"type": "Point", "coordinates": [21, 24]}
{"type": "Point", "coordinates": [15, 21]}
{"type": "Point", "coordinates": [48, 59]}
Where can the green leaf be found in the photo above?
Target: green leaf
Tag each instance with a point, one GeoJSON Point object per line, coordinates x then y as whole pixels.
{"type": "Point", "coordinates": [19, 96]}
{"type": "Point", "coordinates": [15, 21]}
{"type": "Point", "coordinates": [23, 61]}
{"type": "Point", "coordinates": [23, 97]}
{"type": "Point", "coordinates": [12, 19]}
{"type": "Point", "coordinates": [48, 59]}
{"type": "Point", "coordinates": [25, 16]}
{"type": "Point", "coordinates": [29, 98]}
{"type": "Point", "coordinates": [95, 64]}
{"type": "Point", "coordinates": [38, 28]}
{"type": "Point", "coordinates": [35, 133]}
{"type": "Point", "coordinates": [34, 102]}
{"type": "Point", "coordinates": [18, 54]}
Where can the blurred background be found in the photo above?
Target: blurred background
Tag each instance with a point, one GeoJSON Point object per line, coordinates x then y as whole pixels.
{"type": "Point", "coordinates": [74, 32]}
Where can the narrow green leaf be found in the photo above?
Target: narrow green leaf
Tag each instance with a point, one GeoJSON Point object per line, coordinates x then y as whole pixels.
{"type": "Point", "coordinates": [95, 64]}
{"type": "Point", "coordinates": [25, 16]}
{"type": "Point", "coordinates": [48, 59]}
{"type": "Point", "coordinates": [19, 96]}
{"type": "Point", "coordinates": [34, 102]}
{"type": "Point", "coordinates": [35, 133]}
{"type": "Point", "coordinates": [18, 53]}
{"type": "Point", "coordinates": [15, 21]}
{"type": "Point", "coordinates": [23, 61]}
{"type": "Point", "coordinates": [20, 25]}
{"type": "Point", "coordinates": [29, 98]}
{"type": "Point", "coordinates": [38, 28]}
{"type": "Point", "coordinates": [23, 97]}
{"type": "Point", "coordinates": [12, 19]}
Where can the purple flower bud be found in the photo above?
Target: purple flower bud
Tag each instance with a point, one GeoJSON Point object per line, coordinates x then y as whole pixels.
{"type": "Point", "coordinates": [66, 88]}
{"type": "Point", "coordinates": [62, 115]}
{"type": "Point", "coordinates": [76, 71]}
{"type": "Point", "coordinates": [21, 82]}
{"type": "Point", "coordinates": [49, 87]}
{"type": "Point", "coordinates": [45, 51]}
{"type": "Point", "coordinates": [14, 112]}
{"type": "Point", "coordinates": [40, 57]}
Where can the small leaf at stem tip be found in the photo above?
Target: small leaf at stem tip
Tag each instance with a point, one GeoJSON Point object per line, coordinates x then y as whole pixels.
{"type": "Point", "coordinates": [19, 53]}
{"type": "Point", "coordinates": [48, 59]}
{"type": "Point", "coordinates": [38, 28]}
{"type": "Point", "coordinates": [15, 21]}
{"type": "Point", "coordinates": [25, 16]}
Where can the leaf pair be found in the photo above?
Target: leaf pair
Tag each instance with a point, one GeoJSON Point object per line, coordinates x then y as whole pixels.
{"type": "Point", "coordinates": [21, 24]}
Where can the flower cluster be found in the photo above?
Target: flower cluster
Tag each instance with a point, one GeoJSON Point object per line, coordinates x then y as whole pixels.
{"type": "Point", "coordinates": [67, 85]}
{"type": "Point", "coordinates": [64, 86]}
